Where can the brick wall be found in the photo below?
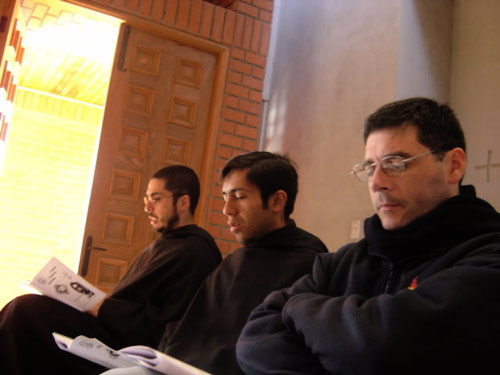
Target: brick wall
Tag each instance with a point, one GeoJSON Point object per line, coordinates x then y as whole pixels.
{"type": "Point", "coordinates": [244, 28]}
{"type": "Point", "coordinates": [44, 185]}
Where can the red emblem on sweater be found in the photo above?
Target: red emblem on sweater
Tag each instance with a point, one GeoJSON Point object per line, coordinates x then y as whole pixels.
{"type": "Point", "coordinates": [413, 284]}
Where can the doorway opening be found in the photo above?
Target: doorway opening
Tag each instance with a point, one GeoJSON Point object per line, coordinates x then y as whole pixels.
{"type": "Point", "coordinates": [52, 142]}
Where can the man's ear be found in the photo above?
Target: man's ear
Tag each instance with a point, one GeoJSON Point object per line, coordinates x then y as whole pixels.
{"type": "Point", "coordinates": [183, 203]}
{"type": "Point", "coordinates": [277, 200]}
{"type": "Point", "coordinates": [458, 163]}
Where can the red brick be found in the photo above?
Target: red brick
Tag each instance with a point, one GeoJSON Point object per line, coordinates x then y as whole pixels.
{"type": "Point", "coordinates": [183, 14]}
{"type": "Point", "coordinates": [224, 152]}
{"type": "Point", "coordinates": [229, 24]}
{"type": "Point", "coordinates": [230, 101]}
{"type": "Point", "coordinates": [230, 140]}
{"type": "Point", "coordinates": [249, 145]}
{"type": "Point", "coordinates": [157, 10]}
{"type": "Point", "coordinates": [215, 231]}
{"type": "Point", "coordinates": [247, 34]}
{"type": "Point", "coordinates": [253, 120]}
{"type": "Point", "coordinates": [215, 179]}
{"type": "Point", "coordinates": [257, 30]}
{"type": "Point", "coordinates": [247, 9]}
{"type": "Point", "coordinates": [206, 19]}
{"type": "Point", "coordinates": [218, 24]}
{"type": "Point", "coordinates": [240, 66]}
{"type": "Point", "coordinates": [266, 17]}
{"type": "Point", "coordinates": [132, 5]}
{"type": "Point", "coordinates": [171, 12]}
{"type": "Point", "coordinates": [226, 234]}
{"type": "Point", "coordinates": [237, 54]}
{"type": "Point", "coordinates": [238, 29]}
{"type": "Point", "coordinates": [26, 4]}
{"type": "Point", "coordinates": [145, 7]}
{"type": "Point", "coordinates": [253, 83]}
{"type": "Point", "coordinates": [233, 77]}
{"type": "Point", "coordinates": [247, 132]}
{"type": "Point", "coordinates": [223, 247]}
{"type": "Point", "coordinates": [264, 40]}
{"type": "Point", "coordinates": [219, 164]}
{"type": "Point", "coordinates": [117, 4]}
{"type": "Point", "coordinates": [215, 190]}
{"type": "Point", "coordinates": [217, 218]}
{"type": "Point", "coordinates": [264, 4]}
{"type": "Point", "coordinates": [227, 126]}
{"type": "Point", "coordinates": [248, 106]}
{"type": "Point", "coordinates": [195, 16]}
{"type": "Point", "coordinates": [255, 96]}
{"type": "Point", "coordinates": [216, 204]}
{"type": "Point", "coordinates": [258, 72]}
{"type": "Point", "coordinates": [233, 246]}
{"type": "Point", "coordinates": [237, 90]}
{"type": "Point", "coordinates": [255, 59]}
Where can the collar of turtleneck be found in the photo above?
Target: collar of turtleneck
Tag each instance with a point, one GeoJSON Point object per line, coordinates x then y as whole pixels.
{"type": "Point", "coordinates": [452, 222]}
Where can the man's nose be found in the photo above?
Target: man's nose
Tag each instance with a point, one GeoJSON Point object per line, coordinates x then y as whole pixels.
{"type": "Point", "coordinates": [228, 208]}
{"type": "Point", "coordinates": [378, 180]}
{"type": "Point", "coordinates": [148, 207]}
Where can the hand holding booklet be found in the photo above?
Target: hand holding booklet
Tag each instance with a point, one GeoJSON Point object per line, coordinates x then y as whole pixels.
{"type": "Point", "coordinates": [143, 356]}
{"type": "Point", "coordinates": [57, 281]}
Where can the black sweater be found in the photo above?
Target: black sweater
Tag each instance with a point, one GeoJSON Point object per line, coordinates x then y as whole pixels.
{"type": "Point", "coordinates": [424, 299]}
{"type": "Point", "coordinates": [206, 335]}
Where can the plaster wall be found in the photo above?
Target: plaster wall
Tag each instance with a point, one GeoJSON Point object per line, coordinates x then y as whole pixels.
{"type": "Point", "coordinates": [424, 51]}
{"type": "Point", "coordinates": [475, 90]}
{"type": "Point", "coordinates": [335, 62]}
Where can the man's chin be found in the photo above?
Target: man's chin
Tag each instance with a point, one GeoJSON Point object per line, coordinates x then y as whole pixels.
{"type": "Point", "coordinates": [160, 229]}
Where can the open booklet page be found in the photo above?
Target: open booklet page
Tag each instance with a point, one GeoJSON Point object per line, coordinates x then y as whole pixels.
{"type": "Point", "coordinates": [57, 281]}
{"type": "Point", "coordinates": [95, 351]}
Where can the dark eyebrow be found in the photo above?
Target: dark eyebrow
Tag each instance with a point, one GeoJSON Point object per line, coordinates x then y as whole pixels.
{"type": "Point", "coordinates": [235, 190]}
{"type": "Point", "coordinates": [398, 153]}
{"type": "Point", "coordinates": [153, 194]}
{"type": "Point", "coordinates": [395, 153]}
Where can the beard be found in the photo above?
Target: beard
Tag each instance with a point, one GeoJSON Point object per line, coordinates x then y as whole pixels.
{"type": "Point", "coordinates": [171, 223]}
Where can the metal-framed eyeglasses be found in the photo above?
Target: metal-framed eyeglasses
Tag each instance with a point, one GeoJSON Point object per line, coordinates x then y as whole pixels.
{"type": "Point", "coordinates": [392, 165]}
{"type": "Point", "coordinates": [156, 198]}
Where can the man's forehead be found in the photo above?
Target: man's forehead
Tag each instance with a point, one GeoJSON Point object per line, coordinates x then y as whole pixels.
{"type": "Point", "coordinates": [156, 185]}
{"type": "Point", "coordinates": [392, 141]}
{"type": "Point", "coordinates": [237, 180]}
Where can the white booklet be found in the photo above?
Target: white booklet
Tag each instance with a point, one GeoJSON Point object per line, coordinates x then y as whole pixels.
{"type": "Point", "coordinates": [95, 351]}
{"type": "Point", "coordinates": [57, 281]}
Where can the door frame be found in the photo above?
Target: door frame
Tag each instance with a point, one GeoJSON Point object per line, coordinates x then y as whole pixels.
{"type": "Point", "coordinates": [222, 57]}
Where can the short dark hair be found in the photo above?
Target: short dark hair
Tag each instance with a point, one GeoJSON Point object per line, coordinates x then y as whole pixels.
{"type": "Point", "coordinates": [437, 126]}
{"type": "Point", "coordinates": [270, 172]}
{"type": "Point", "coordinates": [181, 180]}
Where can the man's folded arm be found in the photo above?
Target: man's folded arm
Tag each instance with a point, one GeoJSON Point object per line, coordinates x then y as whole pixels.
{"type": "Point", "coordinates": [395, 331]}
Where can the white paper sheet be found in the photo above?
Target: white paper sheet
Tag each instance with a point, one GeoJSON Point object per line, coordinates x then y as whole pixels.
{"type": "Point", "coordinates": [57, 281]}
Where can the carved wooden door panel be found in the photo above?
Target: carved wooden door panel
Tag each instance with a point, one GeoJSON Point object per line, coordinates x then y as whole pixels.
{"type": "Point", "coordinates": [12, 28]}
{"type": "Point", "coordinates": [156, 115]}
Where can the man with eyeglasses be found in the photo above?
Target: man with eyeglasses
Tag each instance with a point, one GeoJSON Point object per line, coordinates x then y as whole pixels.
{"type": "Point", "coordinates": [420, 294]}
{"type": "Point", "coordinates": [259, 190]}
{"type": "Point", "coordinates": [156, 289]}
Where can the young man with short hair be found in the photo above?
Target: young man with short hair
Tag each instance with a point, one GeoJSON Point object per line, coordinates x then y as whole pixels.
{"type": "Point", "coordinates": [156, 289]}
{"type": "Point", "coordinates": [259, 190]}
{"type": "Point", "coordinates": [420, 293]}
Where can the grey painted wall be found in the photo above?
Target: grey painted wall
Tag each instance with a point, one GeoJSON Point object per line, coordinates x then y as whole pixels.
{"type": "Point", "coordinates": [336, 61]}
{"type": "Point", "coordinates": [475, 90]}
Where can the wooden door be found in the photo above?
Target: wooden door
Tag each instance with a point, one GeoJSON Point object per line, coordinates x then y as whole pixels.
{"type": "Point", "coordinates": [156, 115]}
{"type": "Point", "coordinates": [12, 28]}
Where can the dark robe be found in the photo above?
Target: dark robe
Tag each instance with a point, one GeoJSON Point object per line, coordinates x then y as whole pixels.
{"type": "Point", "coordinates": [206, 335]}
{"type": "Point", "coordinates": [155, 290]}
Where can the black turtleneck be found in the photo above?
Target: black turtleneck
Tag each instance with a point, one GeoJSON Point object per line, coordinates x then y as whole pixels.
{"type": "Point", "coordinates": [423, 299]}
